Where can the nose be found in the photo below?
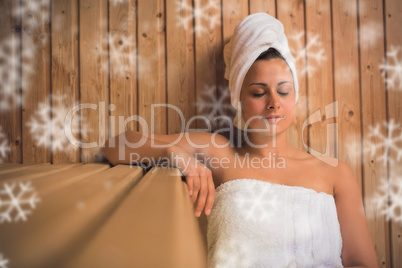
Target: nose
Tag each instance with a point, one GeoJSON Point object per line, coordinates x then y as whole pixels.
{"type": "Point", "coordinates": [273, 102]}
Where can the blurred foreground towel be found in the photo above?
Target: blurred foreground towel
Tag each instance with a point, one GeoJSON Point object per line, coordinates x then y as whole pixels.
{"type": "Point", "coordinates": [259, 224]}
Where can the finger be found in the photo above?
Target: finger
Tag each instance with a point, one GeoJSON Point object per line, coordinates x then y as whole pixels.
{"type": "Point", "coordinates": [202, 195]}
{"type": "Point", "coordinates": [196, 188]}
{"type": "Point", "coordinates": [211, 196]}
{"type": "Point", "coordinates": [190, 184]}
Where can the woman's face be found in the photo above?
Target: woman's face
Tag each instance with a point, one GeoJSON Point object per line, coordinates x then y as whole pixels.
{"type": "Point", "coordinates": [268, 97]}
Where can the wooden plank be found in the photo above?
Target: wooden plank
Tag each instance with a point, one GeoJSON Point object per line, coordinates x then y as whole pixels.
{"type": "Point", "coordinates": [156, 219]}
{"type": "Point", "coordinates": [346, 84]}
{"type": "Point", "coordinates": [180, 62]}
{"type": "Point", "coordinates": [13, 167]}
{"type": "Point", "coordinates": [151, 64]}
{"type": "Point", "coordinates": [36, 81]}
{"type": "Point", "coordinates": [393, 20]}
{"type": "Point", "coordinates": [33, 172]}
{"type": "Point", "coordinates": [10, 97]}
{"type": "Point", "coordinates": [94, 86]}
{"type": "Point", "coordinates": [373, 111]}
{"type": "Point", "coordinates": [50, 183]}
{"type": "Point", "coordinates": [233, 11]}
{"type": "Point", "coordinates": [123, 63]}
{"type": "Point", "coordinates": [267, 6]}
{"type": "Point", "coordinates": [291, 14]}
{"type": "Point", "coordinates": [65, 78]}
{"type": "Point", "coordinates": [63, 221]}
{"type": "Point", "coordinates": [319, 74]}
{"type": "Point", "coordinates": [208, 51]}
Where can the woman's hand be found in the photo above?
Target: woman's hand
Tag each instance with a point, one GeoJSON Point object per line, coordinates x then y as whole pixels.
{"type": "Point", "coordinates": [198, 177]}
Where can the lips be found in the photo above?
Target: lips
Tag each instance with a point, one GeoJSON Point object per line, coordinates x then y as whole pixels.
{"type": "Point", "coordinates": [275, 117]}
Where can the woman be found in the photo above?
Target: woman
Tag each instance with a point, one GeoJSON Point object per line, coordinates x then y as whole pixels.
{"type": "Point", "coordinates": [275, 206]}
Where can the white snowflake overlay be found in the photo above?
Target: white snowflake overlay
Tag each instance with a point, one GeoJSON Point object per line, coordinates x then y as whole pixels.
{"type": "Point", "coordinates": [116, 2]}
{"type": "Point", "coordinates": [385, 144]}
{"type": "Point", "coordinates": [123, 56]}
{"type": "Point", "coordinates": [17, 202]}
{"type": "Point", "coordinates": [3, 262]}
{"type": "Point", "coordinates": [313, 49]}
{"type": "Point", "coordinates": [214, 108]}
{"type": "Point", "coordinates": [34, 10]}
{"type": "Point", "coordinates": [258, 206]}
{"type": "Point", "coordinates": [119, 53]}
{"type": "Point", "coordinates": [369, 34]}
{"type": "Point", "coordinates": [4, 146]}
{"type": "Point", "coordinates": [382, 141]}
{"type": "Point", "coordinates": [51, 121]}
{"type": "Point", "coordinates": [393, 69]}
{"type": "Point", "coordinates": [17, 58]}
{"type": "Point", "coordinates": [237, 256]}
{"type": "Point", "coordinates": [10, 66]}
{"type": "Point", "coordinates": [388, 198]}
{"type": "Point", "coordinates": [205, 14]}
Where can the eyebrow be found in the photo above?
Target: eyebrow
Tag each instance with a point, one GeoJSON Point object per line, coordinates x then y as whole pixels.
{"type": "Point", "coordinates": [266, 85]}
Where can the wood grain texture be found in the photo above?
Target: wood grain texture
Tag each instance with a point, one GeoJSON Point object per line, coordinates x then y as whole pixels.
{"type": "Point", "coordinates": [155, 226]}
{"type": "Point", "coordinates": [122, 51]}
{"type": "Point", "coordinates": [94, 75]}
{"type": "Point", "coordinates": [10, 63]}
{"type": "Point", "coordinates": [373, 111]}
{"type": "Point", "coordinates": [65, 219]}
{"type": "Point", "coordinates": [267, 6]}
{"type": "Point", "coordinates": [393, 37]}
{"type": "Point", "coordinates": [65, 76]}
{"type": "Point", "coordinates": [152, 64]}
{"type": "Point", "coordinates": [319, 75]}
{"type": "Point", "coordinates": [180, 64]}
{"type": "Point", "coordinates": [208, 44]}
{"type": "Point", "coordinates": [35, 80]}
{"type": "Point", "coordinates": [346, 84]}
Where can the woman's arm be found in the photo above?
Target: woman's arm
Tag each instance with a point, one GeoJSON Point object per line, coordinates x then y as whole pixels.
{"type": "Point", "coordinates": [178, 150]}
{"type": "Point", "coordinates": [357, 249]}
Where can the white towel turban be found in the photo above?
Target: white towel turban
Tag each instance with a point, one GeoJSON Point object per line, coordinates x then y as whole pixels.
{"type": "Point", "coordinates": [252, 36]}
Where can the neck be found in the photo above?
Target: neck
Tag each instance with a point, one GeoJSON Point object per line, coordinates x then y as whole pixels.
{"type": "Point", "coordinates": [264, 145]}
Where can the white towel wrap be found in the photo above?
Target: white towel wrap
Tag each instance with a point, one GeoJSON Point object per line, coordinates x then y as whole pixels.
{"type": "Point", "coordinates": [259, 224]}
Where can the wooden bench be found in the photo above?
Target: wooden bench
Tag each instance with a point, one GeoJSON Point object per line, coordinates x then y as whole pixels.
{"type": "Point", "coordinates": [95, 215]}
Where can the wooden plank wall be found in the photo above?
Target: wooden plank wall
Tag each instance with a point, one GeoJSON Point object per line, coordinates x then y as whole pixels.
{"type": "Point", "coordinates": [116, 58]}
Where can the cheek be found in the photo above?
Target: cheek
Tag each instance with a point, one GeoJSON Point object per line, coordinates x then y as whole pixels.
{"type": "Point", "coordinates": [289, 108]}
{"type": "Point", "coordinates": [251, 107]}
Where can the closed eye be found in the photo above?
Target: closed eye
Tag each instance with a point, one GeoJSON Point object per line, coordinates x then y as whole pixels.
{"type": "Point", "coordinates": [258, 94]}
{"type": "Point", "coordinates": [283, 93]}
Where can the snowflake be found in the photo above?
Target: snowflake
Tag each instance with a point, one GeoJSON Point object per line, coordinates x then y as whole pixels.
{"type": "Point", "coordinates": [205, 14]}
{"type": "Point", "coordinates": [313, 50]}
{"type": "Point", "coordinates": [34, 10]}
{"type": "Point", "coordinates": [237, 255]}
{"type": "Point", "coordinates": [3, 262]}
{"type": "Point", "coordinates": [215, 108]}
{"type": "Point", "coordinates": [389, 201]}
{"type": "Point", "coordinates": [369, 34]}
{"type": "Point", "coordinates": [257, 207]}
{"type": "Point", "coordinates": [10, 66]}
{"type": "Point", "coordinates": [346, 75]}
{"type": "Point", "coordinates": [116, 2]}
{"type": "Point", "coordinates": [52, 121]}
{"type": "Point", "coordinates": [381, 144]}
{"type": "Point", "coordinates": [122, 55]}
{"type": "Point", "coordinates": [16, 200]}
{"type": "Point", "coordinates": [394, 71]}
{"type": "Point", "coordinates": [4, 146]}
